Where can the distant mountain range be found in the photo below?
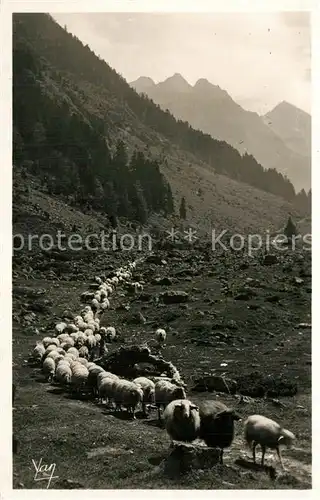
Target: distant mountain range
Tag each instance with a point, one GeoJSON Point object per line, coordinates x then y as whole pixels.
{"type": "Point", "coordinates": [281, 139]}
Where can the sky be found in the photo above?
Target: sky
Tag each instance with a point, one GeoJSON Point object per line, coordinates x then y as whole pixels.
{"type": "Point", "coordinates": [260, 59]}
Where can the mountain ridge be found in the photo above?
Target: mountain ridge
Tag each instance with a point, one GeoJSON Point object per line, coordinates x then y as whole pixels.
{"type": "Point", "coordinates": [245, 130]}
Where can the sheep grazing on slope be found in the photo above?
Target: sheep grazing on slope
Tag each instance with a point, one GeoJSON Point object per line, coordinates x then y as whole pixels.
{"type": "Point", "coordinates": [148, 388]}
{"type": "Point", "coordinates": [63, 373]}
{"type": "Point", "coordinates": [46, 341]}
{"type": "Point", "coordinates": [110, 333]}
{"type": "Point", "coordinates": [161, 335]}
{"type": "Point", "coordinates": [39, 351]}
{"type": "Point", "coordinates": [165, 392]}
{"type": "Point", "coordinates": [95, 305]}
{"type": "Point", "coordinates": [105, 304]}
{"type": "Point", "coordinates": [54, 355]}
{"type": "Point", "coordinates": [107, 387]}
{"type": "Point", "coordinates": [51, 347]}
{"type": "Point", "coordinates": [60, 327]}
{"type": "Point", "coordinates": [71, 328]}
{"type": "Point", "coordinates": [268, 433]}
{"type": "Point", "coordinates": [83, 361]}
{"type": "Point", "coordinates": [129, 395]}
{"type": "Point", "coordinates": [91, 341]}
{"type": "Point", "coordinates": [94, 370]}
{"type": "Point", "coordinates": [49, 368]}
{"type": "Point", "coordinates": [74, 351]}
{"type": "Point", "coordinates": [115, 281]}
{"type": "Point", "coordinates": [79, 376]}
{"type": "Point", "coordinates": [63, 337]}
{"type": "Point", "coordinates": [182, 420]}
{"type": "Point", "coordinates": [55, 341]}
{"type": "Point", "coordinates": [84, 352]}
{"type": "Point", "coordinates": [217, 425]}
{"type": "Point", "coordinates": [81, 339]}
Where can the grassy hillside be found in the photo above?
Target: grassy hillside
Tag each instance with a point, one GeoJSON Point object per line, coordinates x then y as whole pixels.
{"type": "Point", "coordinates": [215, 332]}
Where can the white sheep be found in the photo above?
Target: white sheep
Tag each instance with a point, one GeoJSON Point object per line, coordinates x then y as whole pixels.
{"type": "Point", "coordinates": [46, 341]}
{"type": "Point", "coordinates": [94, 370]}
{"type": "Point", "coordinates": [92, 325]}
{"type": "Point", "coordinates": [182, 420]}
{"type": "Point", "coordinates": [63, 373]}
{"type": "Point", "coordinates": [91, 341]}
{"type": "Point", "coordinates": [88, 332]}
{"type": "Point", "coordinates": [69, 342]}
{"type": "Point", "coordinates": [49, 368]}
{"type": "Point", "coordinates": [83, 361]}
{"type": "Point", "coordinates": [70, 357]}
{"type": "Point", "coordinates": [95, 304]}
{"type": "Point", "coordinates": [268, 433]}
{"type": "Point", "coordinates": [85, 310]}
{"type": "Point", "coordinates": [77, 320]}
{"type": "Point", "coordinates": [84, 352]}
{"type": "Point", "coordinates": [161, 335]}
{"type": "Point", "coordinates": [55, 341]}
{"type": "Point", "coordinates": [39, 351]}
{"type": "Point", "coordinates": [106, 388]}
{"type": "Point", "coordinates": [51, 347]}
{"type": "Point", "coordinates": [63, 337]}
{"type": "Point", "coordinates": [127, 394]}
{"type": "Point", "coordinates": [53, 354]}
{"type": "Point", "coordinates": [88, 317]}
{"type": "Point", "coordinates": [60, 327]}
{"type": "Point", "coordinates": [79, 376]}
{"type": "Point", "coordinates": [74, 336]}
{"type": "Point", "coordinates": [74, 351]}
{"type": "Point", "coordinates": [110, 333]}
{"type": "Point", "coordinates": [165, 392]}
{"type": "Point", "coordinates": [72, 328]}
{"type": "Point", "coordinates": [82, 325]}
{"type": "Point", "coordinates": [115, 281]}
{"type": "Point", "coordinates": [148, 388]}
{"type": "Point", "coordinates": [58, 359]}
{"type": "Point", "coordinates": [103, 294]}
{"type": "Point", "coordinates": [105, 304]}
{"type": "Point", "coordinates": [81, 339]}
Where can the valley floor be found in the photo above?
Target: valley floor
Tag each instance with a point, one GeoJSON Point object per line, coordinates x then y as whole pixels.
{"type": "Point", "coordinates": [94, 449]}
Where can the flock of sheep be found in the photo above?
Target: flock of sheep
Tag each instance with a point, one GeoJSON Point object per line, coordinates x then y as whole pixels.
{"type": "Point", "coordinates": [68, 359]}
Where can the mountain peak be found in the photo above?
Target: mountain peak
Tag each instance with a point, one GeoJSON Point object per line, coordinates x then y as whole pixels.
{"type": "Point", "coordinates": [176, 82]}
{"type": "Point", "coordinates": [203, 82]}
{"type": "Point", "coordinates": [143, 83]}
{"type": "Point", "coordinates": [204, 85]}
{"type": "Point", "coordinates": [286, 107]}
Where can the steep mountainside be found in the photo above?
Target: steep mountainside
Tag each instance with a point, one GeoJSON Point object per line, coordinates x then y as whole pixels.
{"type": "Point", "coordinates": [71, 112]}
{"type": "Point", "coordinates": [209, 108]}
{"type": "Point", "coordinates": [292, 125]}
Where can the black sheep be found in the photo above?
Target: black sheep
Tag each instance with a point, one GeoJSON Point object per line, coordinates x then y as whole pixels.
{"type": "Point", "coordinates": [217, 425]}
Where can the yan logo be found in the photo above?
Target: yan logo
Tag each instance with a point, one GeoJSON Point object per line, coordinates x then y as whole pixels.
{"type": "Point", "coordinates": [44, 472]}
